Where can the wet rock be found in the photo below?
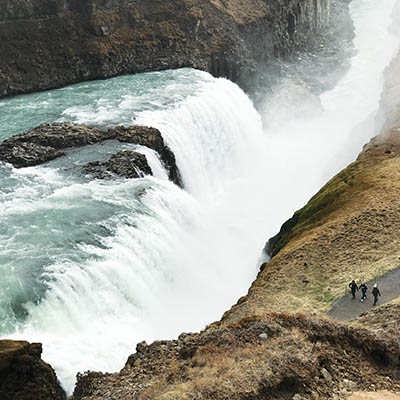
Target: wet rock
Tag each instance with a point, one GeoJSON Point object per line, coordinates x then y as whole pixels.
{"type": "Point", "coordinates": [152, 138]}
{"type": "Point", "coordinates": [48, 141]}
{"type": "Point", "coordinates": [128, 164]}
{"type": "Point", "coordinates": [23, 374]}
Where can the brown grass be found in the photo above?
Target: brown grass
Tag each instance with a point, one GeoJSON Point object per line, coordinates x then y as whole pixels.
{"type": "Point", "coordinates": [348, 230]}
{"type": "Point", "coordinates": [233, 362]}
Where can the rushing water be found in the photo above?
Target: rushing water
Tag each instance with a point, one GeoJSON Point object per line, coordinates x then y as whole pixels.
{"type": "Point", "coordinates": [91, 267]}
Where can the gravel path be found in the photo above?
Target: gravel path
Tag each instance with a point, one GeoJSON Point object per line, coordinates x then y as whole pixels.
{"type": "Point", "coordinates": [345, 308]}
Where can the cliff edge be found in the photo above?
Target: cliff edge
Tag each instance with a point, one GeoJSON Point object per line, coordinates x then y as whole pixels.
{"type": "Point", "coordinates": [51, 43]}
{"type": "Point", "coordinates": [23, 374]}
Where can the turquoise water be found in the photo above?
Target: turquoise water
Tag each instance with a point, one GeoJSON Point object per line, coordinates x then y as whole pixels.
{"type": "Point", "coordinates": [108, 102]}
{"type": "Point", "coordinates": [89, 264]}
{"type": "Point", "coordinates": [41, 224]}
{"type": "Point", "coordinates": [103, 264]}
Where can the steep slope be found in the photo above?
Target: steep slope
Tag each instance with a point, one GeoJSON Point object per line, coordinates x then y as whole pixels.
{"type": "Point", "coordinates": [383, 319]}
{"type": "Point", "coordinates": [349, 230]}
{"type": "Point", "coordinates": [50, 43]}
{"type": "Point", "coordinates": [267, 357]}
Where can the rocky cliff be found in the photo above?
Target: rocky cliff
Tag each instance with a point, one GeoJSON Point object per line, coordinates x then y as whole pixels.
{"type": "Point", "coordinates": [50, 43]}
{"type": "Point", "coordinates": [23, 374]}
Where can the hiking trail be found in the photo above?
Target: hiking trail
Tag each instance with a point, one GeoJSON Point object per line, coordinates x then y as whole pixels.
{"type": "Point", "coordinates": [345, 308]}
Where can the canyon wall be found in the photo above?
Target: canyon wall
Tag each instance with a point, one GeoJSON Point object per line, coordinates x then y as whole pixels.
{"type": "Point", "coordinates": [51, 43]}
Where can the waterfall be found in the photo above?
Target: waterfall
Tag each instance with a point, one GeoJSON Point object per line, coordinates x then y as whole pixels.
{"type": "Point", "coordinates": [107, 264]}
{"type": "Point", "coordinates": [91, 267]}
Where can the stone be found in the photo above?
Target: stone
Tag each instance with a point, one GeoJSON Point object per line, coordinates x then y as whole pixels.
{"type": "Point", "coordinates": [263, 336]}
{"type": "Point", "coordinates": [349, 385]}
{"type": "Point", "coordinates": [128, 164]}
{"type": "Point", "coordinates": [326, 376]}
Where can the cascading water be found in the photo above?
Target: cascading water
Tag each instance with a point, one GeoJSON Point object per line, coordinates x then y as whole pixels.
{"type": "Point", "coordinates": [89, 268]}
{"type": "Point", "coordinates": [93, 267]}
{"type": "Point", "coordinates": [319, 135]}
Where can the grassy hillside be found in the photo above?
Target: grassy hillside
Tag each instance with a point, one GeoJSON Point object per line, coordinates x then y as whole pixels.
{"type": "Point", "coordinates": [349, 230]}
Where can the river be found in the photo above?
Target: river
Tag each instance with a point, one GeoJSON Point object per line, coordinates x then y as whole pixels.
{"type": "Point", "coordinates": [91, 267]}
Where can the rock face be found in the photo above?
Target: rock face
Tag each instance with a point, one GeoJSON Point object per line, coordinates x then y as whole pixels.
{"type": "Point", "coordinates": [51, 43]}
{"type": "Point", "coordinates": [266, 357]}
{"type": "Point", "coordinates": [49, 141]}
{"type": "Point", "coordinates": [24, 376]}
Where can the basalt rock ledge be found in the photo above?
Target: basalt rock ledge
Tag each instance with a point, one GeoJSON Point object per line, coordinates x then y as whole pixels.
{"type": "Point", "coordinates": [46, 44]}
{"type": "Point", "coordinates": [49, 141]}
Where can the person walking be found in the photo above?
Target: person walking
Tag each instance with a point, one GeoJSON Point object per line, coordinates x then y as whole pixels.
{"type": "Point", "coordinates": [363, 287]}
{"type": "Point", "coordinates": [353, 287]}
{"type": "Point", "coordinates": [375, 293]}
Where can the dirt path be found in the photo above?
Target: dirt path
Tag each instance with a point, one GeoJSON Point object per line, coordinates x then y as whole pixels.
{"type": "Point", "coordinates": [384, 395]}
{"type": "Point", "coordinates": [345, 308]}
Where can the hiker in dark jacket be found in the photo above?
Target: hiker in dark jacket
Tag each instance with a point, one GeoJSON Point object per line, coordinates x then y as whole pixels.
{"type": "Point", "coordinates": [363, 287]}
{"type": "Point", "coordinates": [376, 293]}
{"type": "Point", "coordinates": [353, 287]}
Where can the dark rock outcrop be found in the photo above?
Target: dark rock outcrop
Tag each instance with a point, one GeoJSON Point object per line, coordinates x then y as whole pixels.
{"type": "Point", "coordinates": [46, 142]}
{"type": "Point", "coordinates": [128, 164]}
{"type": "Point", "coordinates": [51, 43]}
{"type": "Point", "coordinates": [23, 374]}
{"type": "Point", "coordinates": [49, 141]}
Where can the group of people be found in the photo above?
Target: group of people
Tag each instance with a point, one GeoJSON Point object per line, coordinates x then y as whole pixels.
{"type": "Point", "coordinates": [363, 287]}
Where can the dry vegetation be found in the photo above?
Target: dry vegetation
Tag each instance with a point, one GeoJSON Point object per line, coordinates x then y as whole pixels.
{"type": "Point", "coordinates": [384, 320]}
{"type": "Point", "coordinates": [274, 356]}
{"type": "Point", "coordinates": [349, 230]}
{"type": "Point", "coordinates": [380, 395]}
